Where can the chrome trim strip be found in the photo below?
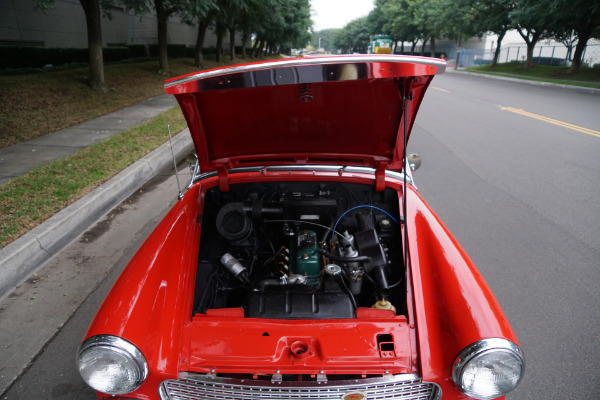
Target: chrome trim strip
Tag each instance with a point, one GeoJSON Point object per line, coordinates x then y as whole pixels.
{"type": "Point", "coordinates": [302, 168]}
{"type": "Point", "coordinates": [199, 386]}
{"type": "Point", "coordinates": [300, 62]}
{"type": "Point", "coordinates": [409, 175]}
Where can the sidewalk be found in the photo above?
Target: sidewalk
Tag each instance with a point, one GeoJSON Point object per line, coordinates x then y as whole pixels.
{"type": "Point", "coordinates": [18, 159]}
{"type": "Point", "coordinates": [24, 256]}
{"type": "Point", "coordinates": [462, 70]}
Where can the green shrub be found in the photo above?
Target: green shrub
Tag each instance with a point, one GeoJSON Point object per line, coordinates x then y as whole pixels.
{"type": "Point", "coordinates": [112, 54]}
{"type": "Point", "coordinates": [36, 57]}
{"type": "Point", "coordinates": [173, 50]}
{"type": "Point", "coordinates": [138, 50]}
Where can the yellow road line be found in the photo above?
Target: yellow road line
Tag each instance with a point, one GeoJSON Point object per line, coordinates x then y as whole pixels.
{"type": "Point", "coordinates": [440, 89]}
{"type": "Point", "coordinates": [552, 121]}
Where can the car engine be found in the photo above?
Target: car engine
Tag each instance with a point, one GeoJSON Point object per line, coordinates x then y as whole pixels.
{"type": "Point", "coordinates": [300, 250]}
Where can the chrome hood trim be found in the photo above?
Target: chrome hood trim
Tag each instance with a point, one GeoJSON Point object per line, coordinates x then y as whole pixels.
{"type": "Point", "coordinates": [340, 169]}
{"type": "Point", "coordinates": [297, 62]}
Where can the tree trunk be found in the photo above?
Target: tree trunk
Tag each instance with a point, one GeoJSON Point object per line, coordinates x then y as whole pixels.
{"type": "Point", "coordinates": [423, 47]}
{"type": "Point", "coordinates": [261, 48]}
{"type": "Point", "coordinates": [254, 52]}
{"type": "Point", "coordinates": [219, 48]}
{"type": "Point", "coordinates": [432, 47]}
{"type": "Point", "coordinates": [162, 18]}
{"type": "Point", "coordinates": [498, 46]}
{"type": "Point", "coordinates": [531, 42]}
{"type": "Point", "coordinates": [529, 62]}
{"type": "Point", "coordinates": [232, 44]}
{"type": "Point", "coordinates": [93, 19]}
{"type": "Point", "coordinates": [581, 43]}
{"type": "Point", "coordinates": [245, 38]}
{"type": "Point", "coordinates": [202, 25]}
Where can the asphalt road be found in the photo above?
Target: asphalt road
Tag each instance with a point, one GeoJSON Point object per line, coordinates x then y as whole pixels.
{"type": "Point", "coordinates": [520, 193]}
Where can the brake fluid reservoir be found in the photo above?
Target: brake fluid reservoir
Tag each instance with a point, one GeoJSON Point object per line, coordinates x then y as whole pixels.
{"type": "Point", "coordinates": [306, 257]}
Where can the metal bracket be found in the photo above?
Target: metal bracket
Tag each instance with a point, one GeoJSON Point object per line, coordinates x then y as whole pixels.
{"type": "Point", "coordinates": [223, 178]}
{"type": "Point", "coordinates": [380, 177]}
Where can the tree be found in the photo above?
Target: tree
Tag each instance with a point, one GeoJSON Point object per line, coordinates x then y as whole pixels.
{"type": "Point", "coordinates": [227, 18]}
{"type": "Point", "coordinates": [397, 21]}
{"type": "Point", "coordinates": [493, 16]}
{"type": "Point", "coordinates": [93, 19]}
{"type": "Point", "coordinates": [200, 13]}
{"type": "Point", "coordinates": [412, 20]}
{"type": "Point", "coordinates": [354, 37]}
{"type": "Point", "coordinates": [286, 25]}
{"type": "Point", "coordinates": [325, 38]}
{"type": "Point", "coordinates": [164, 10]}
{"type": "Point", "coordinates": [532, 19]}
{"type": "Point", "coordinates": [578, 17]}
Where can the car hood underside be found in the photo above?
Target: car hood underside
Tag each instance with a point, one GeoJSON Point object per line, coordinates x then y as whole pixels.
{"type": "Point", "coordinates": [346, 110]}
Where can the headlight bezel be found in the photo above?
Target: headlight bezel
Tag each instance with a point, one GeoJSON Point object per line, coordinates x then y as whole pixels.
{"type": "Point", "coordinates": [124, 349]}
{"type": "Point", "coordinates": [481, 348]}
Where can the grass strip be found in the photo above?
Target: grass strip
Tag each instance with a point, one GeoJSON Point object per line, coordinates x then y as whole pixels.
{"type": "Point", "coordinates": [585, 77]}
{"type": "Point", "coordinates": [32, 198]}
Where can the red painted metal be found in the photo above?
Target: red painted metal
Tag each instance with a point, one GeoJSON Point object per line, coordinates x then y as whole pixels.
{"type": "Point", "coordinates": [259, 346]}
{"type": "Point", "coordinates": [152, 299]}
{"type": "Point", "coordinates": [150, 305]}
{"type": "Point", "coordinates": [299, 114]}
{"type": "Point", "coordinates": [449, 304]}
{"type": "Point", "coordinates": [453, 305]}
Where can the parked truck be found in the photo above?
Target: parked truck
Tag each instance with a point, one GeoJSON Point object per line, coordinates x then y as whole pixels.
{"type": "Point", "coordinates": [380, 44]}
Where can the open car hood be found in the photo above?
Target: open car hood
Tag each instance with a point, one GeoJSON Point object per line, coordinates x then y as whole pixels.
{"type": "Point", "coordinates": [339, 110]}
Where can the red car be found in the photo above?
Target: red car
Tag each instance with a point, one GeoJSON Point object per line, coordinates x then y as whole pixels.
{"type": "Point", "coordinates": [301, 263]}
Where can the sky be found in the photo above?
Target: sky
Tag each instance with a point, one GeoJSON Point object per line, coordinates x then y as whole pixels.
{"type": "Point", "coordinates": [328, 14]}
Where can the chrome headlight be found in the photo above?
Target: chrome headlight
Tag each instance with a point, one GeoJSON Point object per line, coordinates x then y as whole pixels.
{"type": "Point", "coordinates": [111, 365]}
{"type": "Point", "coordinates": [489, 368]}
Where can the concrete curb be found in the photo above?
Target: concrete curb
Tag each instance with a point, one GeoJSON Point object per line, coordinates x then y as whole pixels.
{"type": "Point", "coordinates": [27, 254]}
{"type": "Point", "coordinates": [528, 82]}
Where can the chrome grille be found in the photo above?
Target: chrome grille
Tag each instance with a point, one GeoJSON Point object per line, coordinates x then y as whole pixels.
{"type": "Point", "coordinates": [206, 387]}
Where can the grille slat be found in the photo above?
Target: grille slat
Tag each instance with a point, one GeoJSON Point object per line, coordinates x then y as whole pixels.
{"type": "Point", "coordinates": [203, 387]}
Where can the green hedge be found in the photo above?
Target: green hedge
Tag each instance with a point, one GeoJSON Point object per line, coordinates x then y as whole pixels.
{"type": "Point", "coordinates": [37, 57]}
{"type": "Point", "coordinates": [137, 50]}
{"type": "Point", "coordinates": [13, 57]}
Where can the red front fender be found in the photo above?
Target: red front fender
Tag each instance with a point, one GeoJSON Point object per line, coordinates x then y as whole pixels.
{"type": "Point", "coordinates": [145, 304]}
{"type": "Point", "coordinates": [454, 307]}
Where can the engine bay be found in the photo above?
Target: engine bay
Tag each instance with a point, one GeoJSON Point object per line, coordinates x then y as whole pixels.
{"type": "Point", "coordinates": [300, 250]}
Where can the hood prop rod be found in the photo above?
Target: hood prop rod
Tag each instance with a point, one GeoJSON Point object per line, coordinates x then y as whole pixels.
{"type": "Point", "coordinates": [180, 195]}
{"type": "Point", "coordinates": [405, 99]}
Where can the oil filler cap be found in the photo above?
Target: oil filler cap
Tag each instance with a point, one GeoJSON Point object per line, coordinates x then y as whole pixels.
{"type": "Point", "coordinates": [333, 269]}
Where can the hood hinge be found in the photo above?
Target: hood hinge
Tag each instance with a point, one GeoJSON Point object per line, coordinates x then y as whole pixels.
{"type": "Point", "coordinates": [380, 177]}
{"type": "Point", "coordinates": [223, 178]}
